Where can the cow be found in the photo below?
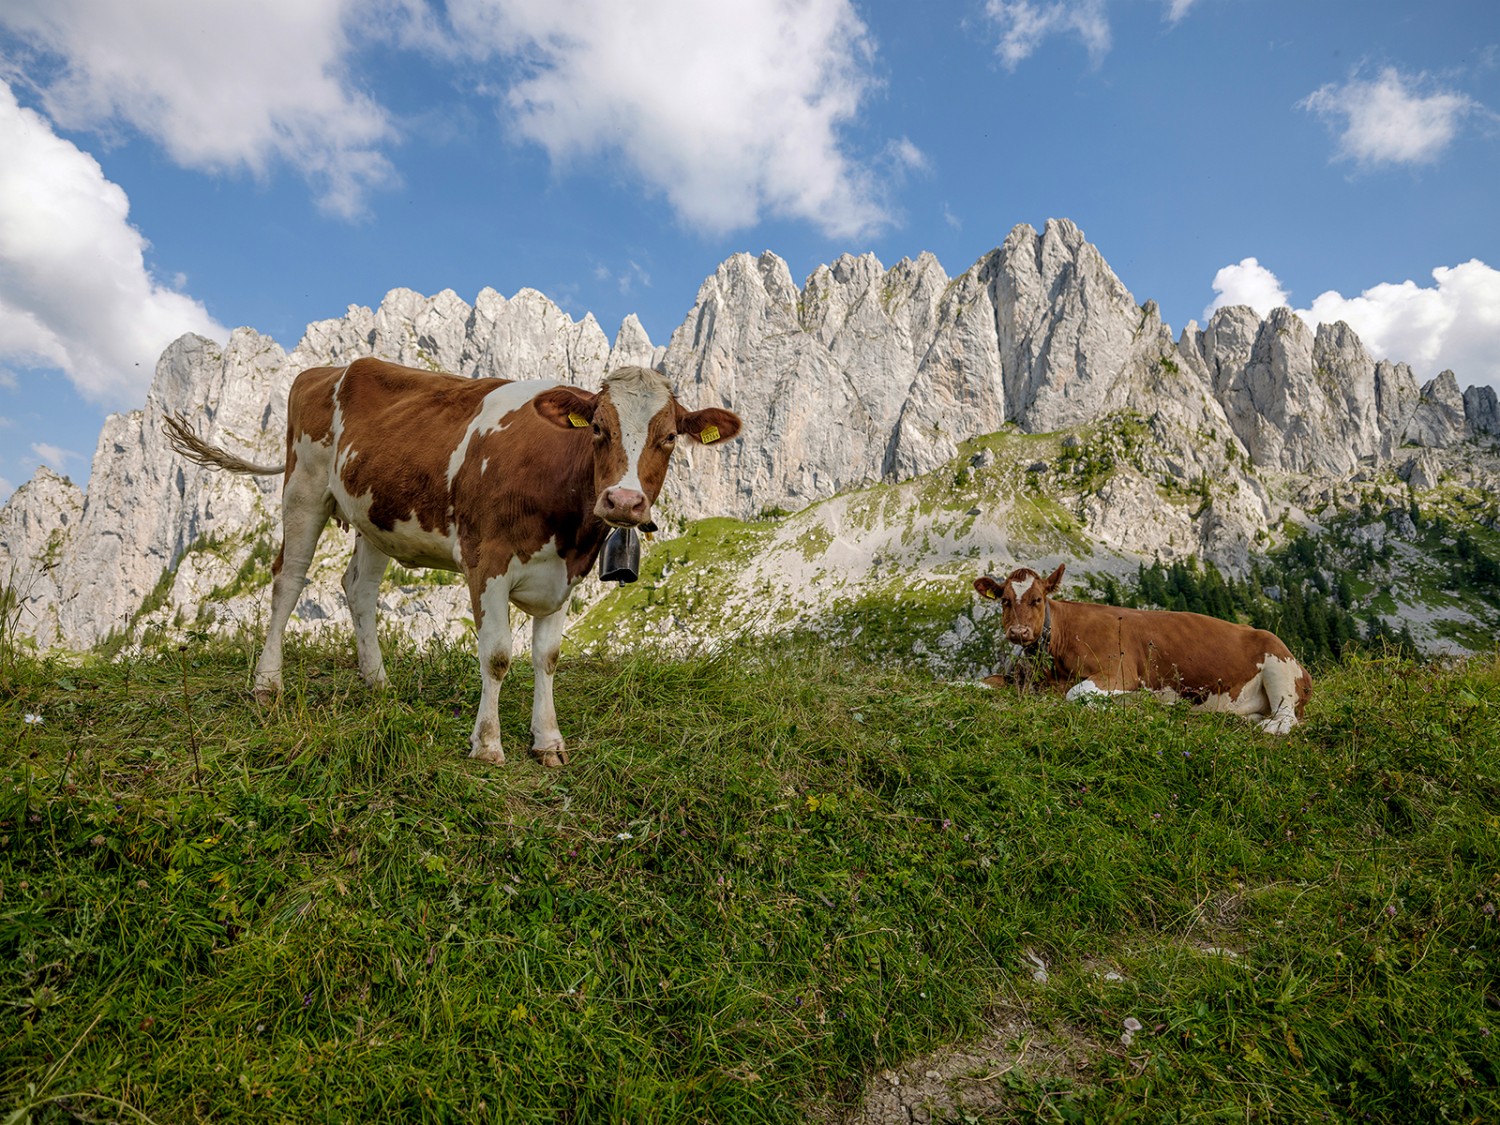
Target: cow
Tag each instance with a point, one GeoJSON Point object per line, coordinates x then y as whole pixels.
{"type": "Point", "coordinates": [512, 484]}
{"type": "Point", "coordinates": [1218, 665]}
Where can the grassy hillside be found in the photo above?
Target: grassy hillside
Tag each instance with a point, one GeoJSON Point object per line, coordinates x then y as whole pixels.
{"type": "Point", "coordinates": [768, 874]}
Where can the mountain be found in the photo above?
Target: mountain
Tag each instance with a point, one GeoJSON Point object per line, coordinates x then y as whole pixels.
{"type": "Point", "coordinates": [903, 430]}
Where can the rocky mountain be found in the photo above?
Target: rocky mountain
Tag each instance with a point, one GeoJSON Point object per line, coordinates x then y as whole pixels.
{"type": "Point", "coordinates": [861, 378]}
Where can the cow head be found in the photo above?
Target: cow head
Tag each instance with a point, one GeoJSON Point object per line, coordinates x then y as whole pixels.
{"type": "Point", "coordinates": [634, 423]}
{"type": "Point", "coordinates": [1023, 602]}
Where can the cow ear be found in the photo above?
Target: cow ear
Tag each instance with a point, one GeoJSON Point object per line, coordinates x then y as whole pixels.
{"type": "Point", "coordinates": [709, 426]}
{"type": "Point", "coordinates": [1055, 579]}
{"type": "Point", "coordinates": [987, 587]}
{"type": "Point", "coordinates": [567, 407]}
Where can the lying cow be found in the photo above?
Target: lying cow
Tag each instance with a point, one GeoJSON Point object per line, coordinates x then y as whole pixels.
{"type": "Point", "coordinates": [512, 484]}
{"type": "Point", "coordinates": [1219, 665]}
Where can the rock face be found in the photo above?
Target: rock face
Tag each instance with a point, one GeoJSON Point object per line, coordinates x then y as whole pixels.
{"type": "Point", "coordinates": [863, 374]}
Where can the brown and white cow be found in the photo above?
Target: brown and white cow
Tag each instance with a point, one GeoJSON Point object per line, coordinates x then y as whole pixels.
{"type": "Point", "coordinates": [1219, 665]}
{"type": "Point", "coordinates": [512, 484]}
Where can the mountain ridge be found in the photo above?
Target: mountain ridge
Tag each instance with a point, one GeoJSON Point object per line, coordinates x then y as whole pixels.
{"type": "Point", "coordinates": [863, 375]}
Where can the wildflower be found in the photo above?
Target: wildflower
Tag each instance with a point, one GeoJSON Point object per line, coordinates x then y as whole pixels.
{"type": "Point", "coordinates": [623, 836]}
{"type": "Point", "coordinates": [32, 717]}
{"type": "Point", "coordinates": [1489, 908]}
{"type": "Point", "coordinates": [1391, 910]}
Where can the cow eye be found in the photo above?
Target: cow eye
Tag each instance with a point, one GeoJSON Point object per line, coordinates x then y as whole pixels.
{"type": "Point", "coordinates": [670, 439]}
{"type": "Point", "coordinates": [597, 431]}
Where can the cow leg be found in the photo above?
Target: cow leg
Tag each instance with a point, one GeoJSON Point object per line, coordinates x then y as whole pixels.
{"type": "Point", "coordinates": [491, 601]}
{"type": "Point", "coordinates": [362, 591]}
{"type": "Point", "coordinates": [305, 508]}
{"type": "Point", "coordinates": [547, 745]}
{"type": "Point", "coordinates": [1279, 681]}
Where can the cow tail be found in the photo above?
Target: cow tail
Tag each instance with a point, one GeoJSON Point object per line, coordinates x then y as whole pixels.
{"type": "Point", "coordinates": [183, 438]}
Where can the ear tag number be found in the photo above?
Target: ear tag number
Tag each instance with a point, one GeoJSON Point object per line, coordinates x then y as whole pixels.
{"type": "Point", "coordinates": [708, 435]}
{"type": "Point", "coordinates": [578, 420]}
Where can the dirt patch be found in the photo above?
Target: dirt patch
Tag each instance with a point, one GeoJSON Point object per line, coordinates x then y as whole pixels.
{"type": "Point", "coordinates": [966, 1082]}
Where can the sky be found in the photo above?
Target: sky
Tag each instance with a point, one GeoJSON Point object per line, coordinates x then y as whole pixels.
{"type": "Point", "coordinates": [175, 166]}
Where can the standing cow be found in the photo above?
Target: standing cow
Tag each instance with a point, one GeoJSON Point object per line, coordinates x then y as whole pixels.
{"type": "Point", "coordinates": [512, 484]}
{"type": "Point", "coordinates": [1219, 665]}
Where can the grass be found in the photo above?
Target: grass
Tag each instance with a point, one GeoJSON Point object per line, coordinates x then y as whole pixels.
{"type": "Point", "coordinates": [768, 873]}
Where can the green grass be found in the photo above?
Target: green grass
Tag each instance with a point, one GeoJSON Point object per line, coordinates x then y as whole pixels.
{"type": "Point", "coordinates": [766, 875]}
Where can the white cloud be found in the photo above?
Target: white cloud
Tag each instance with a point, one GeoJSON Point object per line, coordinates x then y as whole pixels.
{"type": "Point", "coordinates": [74, 289]}
{"type": "Point", "coordinates": [53, 456]}
{"type": "Point", "coordinates": [1176, 9]}
{"type": "Point", "coordinates": [1451, 325]}
{"type": "Point", "coordinates": [1387, 120]}
{"type": "Point", "coordinates": [1247, 283]}
{"type": "Point", "coordinates": [732, 110]}
{"type": "Point", "coordinates": [222, 86]}
{"type": "Point", "coordinates": [631, 277]}
{"type": "Point", "coordinates": [1024, 24]}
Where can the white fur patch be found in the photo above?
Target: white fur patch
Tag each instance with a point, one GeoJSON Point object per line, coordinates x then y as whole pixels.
{"type": "Point", "coordinates": [497, 404]}
{"type": "Point", "coordinates": [1021, 585]}
{"type": "Point", "coordinates": [540, 585]}
{"type": "Point", "coordinates": [635, 409]}
{"type": "Point", "coordinates": [1089, 692]}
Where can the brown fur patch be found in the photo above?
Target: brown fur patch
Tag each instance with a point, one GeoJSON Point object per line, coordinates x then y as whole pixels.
{"type": "Point", "coordinates": [1124, 649]}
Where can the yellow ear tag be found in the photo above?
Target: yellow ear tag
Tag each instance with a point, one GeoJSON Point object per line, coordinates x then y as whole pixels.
{"type": "Point", "coordinates": [578, 420]}
{"type": "Point", "coordinates": [990, 594]}
{"type": "Point", "coordinates": [708, 435]}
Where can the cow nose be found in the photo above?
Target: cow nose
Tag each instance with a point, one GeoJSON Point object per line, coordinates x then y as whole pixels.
{"type": "Point", "coordinates": [625, 505]}
{"type": "Point", "coordinates": [1019, 634]}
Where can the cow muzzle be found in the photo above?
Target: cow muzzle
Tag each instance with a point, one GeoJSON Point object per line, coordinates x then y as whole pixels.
{"type": "Point", "coordinates": [1021, 635]}
{"type": "Point", "coordinates": [623, 507]}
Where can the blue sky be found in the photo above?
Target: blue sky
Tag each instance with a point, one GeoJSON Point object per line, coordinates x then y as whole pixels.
{"type": "Point", "coordinates": [195, 165]}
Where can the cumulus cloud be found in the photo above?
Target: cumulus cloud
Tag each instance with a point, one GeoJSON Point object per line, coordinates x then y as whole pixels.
{"type": "Point", "coordinates": [1247, 283]}
{"type": "Point", "coordinates": [1388, 119]}
{"type": "Point", "coordinates": [75, 292]}
{"type": "Point", "coordinates": [221, 86]}
{"type": "Point", "coordinates": [1453, 324]}
{"type": "Point", "coordinates": [731, 110]}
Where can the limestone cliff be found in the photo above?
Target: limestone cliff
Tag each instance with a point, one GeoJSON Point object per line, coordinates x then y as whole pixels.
{"type": "Point", "coordinates": [861, 375]}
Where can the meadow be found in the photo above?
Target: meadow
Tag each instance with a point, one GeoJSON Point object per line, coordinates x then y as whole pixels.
{"type": "Point", "coordinates": [770, 873]}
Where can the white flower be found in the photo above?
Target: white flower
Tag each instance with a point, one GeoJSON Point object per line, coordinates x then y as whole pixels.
{"type": "Point", "coordinates": [1132, 1024]}
{"type": "Point", "coordinates": [623, 836]}
{"type": "Point", "coordinates": [29, 717]}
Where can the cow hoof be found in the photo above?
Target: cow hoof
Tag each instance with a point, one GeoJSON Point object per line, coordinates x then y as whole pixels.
{"type": "Point", "coordinates": [266, 696]}
{"type": "Point", "coordinates": [494, 755]}
{"type": "Point", "coordinates": [551, 756]}
{"type": "Point", "coordinates": [1277, 726]}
